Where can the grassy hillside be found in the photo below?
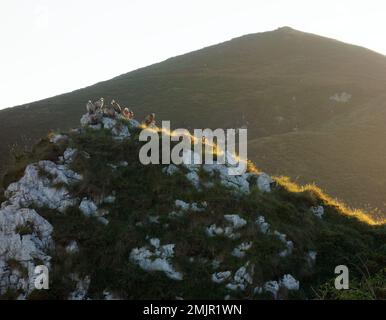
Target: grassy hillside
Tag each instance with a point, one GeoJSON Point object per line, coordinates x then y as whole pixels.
{"type": "Point", "coordinates": [279, 84]}
{"type": "Point", "coordinates": [147, 209]}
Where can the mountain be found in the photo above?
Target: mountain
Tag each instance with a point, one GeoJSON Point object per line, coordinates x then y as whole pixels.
{"type": "Point", "coordinates": [106, 226]}
{"type": "Point", "coordinates": [314, 107]}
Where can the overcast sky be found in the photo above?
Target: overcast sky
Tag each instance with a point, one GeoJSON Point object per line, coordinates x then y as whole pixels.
{"type": "Point", "coordinates": [50, 47]}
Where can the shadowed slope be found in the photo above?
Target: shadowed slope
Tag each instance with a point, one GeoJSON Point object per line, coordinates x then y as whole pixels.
{"type": "Point", "coordinates": [114, 228]}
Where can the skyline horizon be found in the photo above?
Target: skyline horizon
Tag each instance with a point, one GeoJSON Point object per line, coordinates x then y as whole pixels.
{"type": "Point", "coordinates": [181, 54]}
{"type": "Point", "coordinates": [57, 47]}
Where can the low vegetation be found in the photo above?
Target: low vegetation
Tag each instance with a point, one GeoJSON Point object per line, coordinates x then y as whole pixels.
{"type": "Point", "coordinates": [144, 200]}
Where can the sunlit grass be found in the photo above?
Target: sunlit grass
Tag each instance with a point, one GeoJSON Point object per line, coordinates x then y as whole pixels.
{"type": "Point", "coordinates": [329, 201]}
{"type": "Point", "coordinates": [291, 186]}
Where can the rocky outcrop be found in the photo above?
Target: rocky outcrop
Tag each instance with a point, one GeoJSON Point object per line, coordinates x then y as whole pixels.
{"type": "Point", "coordinates": [264, 182]}
{"type": "Point", "coordinates": [342, 97]}
{"type": "Point", "coordinates": [242, 278]}
{"type": "Point", "coordinates": [25, 238]}
{"type": "Point", "coordinates": [156, 258]}
{"type": "Point", "coordinates": [43, 185]}
{"type": "Point", "coordinates": [119, 126]}
{"type": "Point", "coordinates": [318, 211]}
{"type": "Point", "coordinates": [287, 282]}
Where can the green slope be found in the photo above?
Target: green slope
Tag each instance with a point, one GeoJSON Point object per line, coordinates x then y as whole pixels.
{"type": "Point", "coordinates": [145, 211]}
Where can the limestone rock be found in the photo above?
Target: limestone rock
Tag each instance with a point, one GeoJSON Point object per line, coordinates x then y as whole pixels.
{"type": "Point", "coordinates": [23, 248]}
{"type": "Point", "coordinates": [47, 190]}
{"type": "Point", "coordinates": [264, 182]}
{"type": "Point", "coordinates": [157, 258]}
{"type": "Point", "coordinates": [318, 211]}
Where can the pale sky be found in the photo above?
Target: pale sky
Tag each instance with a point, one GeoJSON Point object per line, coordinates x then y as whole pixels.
{"type": "Point", "coordinates": [48, 47]}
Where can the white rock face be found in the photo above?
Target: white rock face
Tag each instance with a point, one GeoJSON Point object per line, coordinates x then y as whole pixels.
{"type": "Point", "coordinates": [263, 225]}
{"type": "Point", "coordinates": [132, 123]}
{"type": "Point", "coordinates": [311, 257]}
{"type": "Point", "coordinates": [182, 207]}
{"type": "Point", "coordinates": [258, 290]}
{"type": "Point", "coordinates": [198, 207]}
{"type": "Point", "coordinates": [88, 207]}
{"type": "Point", "coordinates": [69, 155]}
{"type": "Point", "coordinates": [30, 245]}
{"type": "Point", "coordinates": [85, 120]}
{"type": "Point", "coordinates": [170, 170]}
{"type": "Point", "coordinates": [23, 248]}
{"type": "Point", "coordinates": [240, 250]}
{"type": "Point", "coordinates": [25, 236]}
{"type": "Point", "coordinates": [289, 282]}
{"type": "Point", "coordinates": [242, 278]}
{"type": "Point", "coordinates": [220, 277]}
{"type": "Point", "coordinates": [272, 287]}
{"type": "Point", "coordinates": [264, 182]}
{"type": "Point", "coordinates": [318, 211]}
{"type": "Point", "coordinates": [194, 179]}
{"type": "Point", "coordinates": [342, 97]}
{"type": "Point", "coordinates": [289, 244]}
{"type": "Point", "coordinates": [236, 221]}
{"type": "Point", "coordinates": [34, 189]}
{"type": "Point", "coordinates": [239, 183]}
{"type": "Point", "coordinates": [108, 123]}
{"type": "Point", "coordinates": [121, 132]}
{"type": "Point", "coordinates": [213, 230]}
{"type": "Point", "coordinates": [156, 259]}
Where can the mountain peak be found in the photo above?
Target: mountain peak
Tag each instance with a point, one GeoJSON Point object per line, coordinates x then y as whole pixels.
{"type": "Point", "coordinates": [286, 29]}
